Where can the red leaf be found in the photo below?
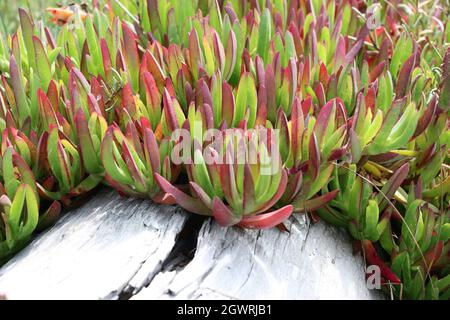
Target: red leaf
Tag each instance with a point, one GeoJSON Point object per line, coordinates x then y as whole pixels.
{"type": "Point", "coordinates": [131, 55]}
{"type": "Point", "coordinates": [128, 100]}
{"type": "Point", "coordinates": [404, 77]}
{"type": "Point", "coordinates": [271, 93]}
{"type": "Point", "coordinates": [223, 215]}
{"type": "Point", "coordinates": [377, 71]}
{"type": "Point", "coordinates": [151, 150]}
{"type": "Point", "coordinates": [314, 156]}
{"type": "Point", "coordinates": [261, 116]}
{"type": "Point", "coordinates": [227, 104]}
{"type": "Point", "coordinates": [154, 68]}
{"type": "Point", "coordinates": [317, 202]}
{"type": "Point", "coordinates": [297, 124]}
{"type": "Point", "coordinates": [132, 166]}
{"type": "Point", "coordinates": [248, 200]}
{"type": "Point", "coordinates": [350, 56]}
{"type": "Point", "coordinates": [392, 185]}
{"type": "Point", "coordinates": [169, 111]}
{"type": "Point", "coordinates": [426, 118]}
{"type": "Point", "coordinates": [46, 110]}
{"type": "Point", "coordinates": [106, 57]}
{"type": "Point", "coordinates": [187, 202]}
{"type": "Point", "coordinates": [201, 194]}
{"type": "Point", "coordinates": [324, 119]}
{"type": "Point", "coordinates": [373, 258]}
{"type": "Point", "coordinates": [267, 220]}
{"type": "Point", "coordinates": [50, 216]}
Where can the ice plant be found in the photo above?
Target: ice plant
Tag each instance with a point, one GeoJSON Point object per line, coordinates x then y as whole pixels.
{"type": "Point", "coordinates": [63, 164]}
{"type": "Point", "coordinates": [358, 94]}
{"type": "Point", "coordinates": [20, 204]}
{"type": "Point", "coordinates": [132, 159]}
{"type": "Point", "coordinates": [309, 146]}
{"type": "Point", "coordinates": [416, 249]}
{"type": "Point", "coordinates": [236, 180]}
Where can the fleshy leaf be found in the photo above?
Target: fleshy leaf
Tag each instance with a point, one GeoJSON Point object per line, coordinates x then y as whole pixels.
{"type": "Point", "coordinates": [267, 220]}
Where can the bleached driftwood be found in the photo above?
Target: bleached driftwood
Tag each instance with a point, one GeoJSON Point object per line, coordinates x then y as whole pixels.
{"type": "Point", "coordinates": [109, 247]}
{"type": "Point", "coordinates": [309, 262]}
{"type": "Point", "coordinates": [113, 247]}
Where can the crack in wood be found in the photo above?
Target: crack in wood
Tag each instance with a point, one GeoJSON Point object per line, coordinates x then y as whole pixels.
{"type": "Point", "coordinates": [185, 244]}
{"type": "Point", "coordinates": [181, 254]}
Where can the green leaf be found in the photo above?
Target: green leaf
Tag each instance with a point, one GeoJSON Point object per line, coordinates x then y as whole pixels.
{"type": "Point", "coordinates": [403, 129]}
{"type": "Point", "coordinates": [201, 176]}
{"type": "Point", "coordinates": [109, 160]}
{"type": "Point", "coordinates": [15, 212]}
{"type": "Point", "coordinates": [19, 90]}
{"type": "Point", "coordinates": [94, 46]}
{"type": "Point", "coordinates": [372, 216]}
{"type": "Point", "coordinates": [358, 198]}
{"type": "Point", "coordinates": [402, 51]}
{"type": "Point", "coordinates": [386, 239]}
{"type": "Point", "coordinates": [264, 32]}
{"type": "Point", "coordinates": [379, 144]}
{"type": "Point", "coordinates": [209, 57]}
{"type": "Point", "coordinates": [88, 152]}
{"type": "Point", "coordinates": [27, 26]}
{"type": "Point", "coordinates": [131, 57]}
{"type": "Point", "coordinates": [445, 232]}
{"type": "Point", "coordinates": [195, 56]}
{"type": "Point", "coordinates": [385, 92]}
{"type": "Point", "coordinates": [444, 99]}
{"type": "Point", "coordinates": [32, 213]}
{"type": "Point", "coordinates": [346, 19]}
{"type": "Point", "coordinates": [321, 180]}
{"type": "Point", "coordinates": [246, 99]}
{"type": "Point", "coordinates": [9, 178]}
{"type": "Point", "coordinates": [42, 64]}
{"type": "Point", "coordinates": [412, 228]}
{"type": "Point", "coordinates": [346, 90]}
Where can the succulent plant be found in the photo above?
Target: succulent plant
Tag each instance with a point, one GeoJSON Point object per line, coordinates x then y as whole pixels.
{"type": "Point", "coordinates": [20, 204]}
{"type": "Point", "coordinates": [236, 180]}
{"type": "Point", "coordinates": [309, 146]}
{"type": "Point", "coordinates": [359, 95]}
{"type": "Point", "coordinates": [132, 159]}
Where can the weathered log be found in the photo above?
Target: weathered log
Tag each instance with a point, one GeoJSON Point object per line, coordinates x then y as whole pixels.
{"type": "Point", "coordinates": [309, 262]}
{"type": "Point", "coordinates": [113, 248]}
{"type": "Point", "coordinates": [108, 248]}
